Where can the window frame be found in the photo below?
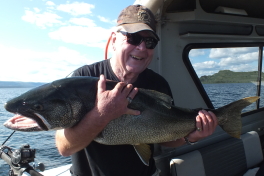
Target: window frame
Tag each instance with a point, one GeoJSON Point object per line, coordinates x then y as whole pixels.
{"type": "Point", "coordinates": [195, 78]}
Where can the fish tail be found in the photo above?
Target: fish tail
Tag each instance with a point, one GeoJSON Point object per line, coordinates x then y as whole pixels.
{"type": "Point", "coordinates": [229, 116]}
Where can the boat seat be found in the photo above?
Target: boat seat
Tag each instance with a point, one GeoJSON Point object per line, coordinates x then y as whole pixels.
{"type": "Point", "coordinates": [226, 158]}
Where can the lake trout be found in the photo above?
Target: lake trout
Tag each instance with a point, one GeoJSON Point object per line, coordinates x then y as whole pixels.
{"type": "Point", "coordinates": [63, 103]}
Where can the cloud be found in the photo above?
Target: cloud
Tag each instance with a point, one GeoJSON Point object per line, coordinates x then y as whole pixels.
{"type": "Point", "coordinates": [211, 67]}
{"type": "Point", "coordinates": [49, 16]}
{"type": "Point", "coordinates": [216, 53]}
{"type": "Point", "coordinates": [82, 22]}
{"type": "Point", "coordinates": [206, 68]}
{"type": "Point", "coordinates": [43, 20]}
{"type": "Point", "coordinates": [196, 52]}
{"type": "Point", "coordinates": [205, 72]}
{"type": "Point", "coordinates": [242, 68]}
{"type": "Point", "coordinates": [235, 59]}
{"type": "Point", "coordinates": [34, 66]}
{"type": "Point", "coordinates": [89, 36]}
{"type": "Point", "coordinates": [37, 10]}
{"type": "Point", "coordinates": [75, 30]}
{"type": "Point", "coordinates": [207, 65]}
{"type": "Point", "coordinates": [239, 59]}
{"type": "Point", "coordinates": [76, 8]}
{"type": "Point", "coordinates": [103, 19]}
{"type": "Point", "coordinates": [50, 3]}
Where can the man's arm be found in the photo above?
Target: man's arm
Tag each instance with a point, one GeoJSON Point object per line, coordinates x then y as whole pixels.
{"type": "Point", "coordinates": [206, 121]}
{"type": "Point", "coordinates": [110, 104]}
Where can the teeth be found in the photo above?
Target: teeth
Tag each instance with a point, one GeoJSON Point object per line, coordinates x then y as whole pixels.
{"type": "Point", "coordinates": [137, 58]}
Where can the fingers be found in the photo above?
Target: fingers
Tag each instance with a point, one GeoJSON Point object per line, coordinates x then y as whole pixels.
{"type": "Point", "coordinates": [126, 91]}
{"type": "Point", "coordinates": [122, 88]}
{"type": "Point", "coordinates": [132, 112]}
{"type": "Point", "coordinates": [199, 124]}
{"type": "Point", "coordinates": [120, 96]}
{"type": "Point", "coordinates": [101, 84]}
{"type": "Point", "coordinates": [129, 93]}
{"type": "Point", "coordinates": [206, 121]}
{"type": "Point", "coordinates": [133, 92]}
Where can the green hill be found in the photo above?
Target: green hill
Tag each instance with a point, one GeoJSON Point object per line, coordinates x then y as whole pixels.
{"type": "Point", "coordinates": [227, 76]}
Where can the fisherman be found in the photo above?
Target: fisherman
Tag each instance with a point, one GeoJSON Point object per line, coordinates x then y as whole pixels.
{"type": "Point", "coordinates": [133, 44]}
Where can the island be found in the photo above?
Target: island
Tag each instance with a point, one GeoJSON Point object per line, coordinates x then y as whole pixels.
{"type": "Point", "coordinates": [227, 76]}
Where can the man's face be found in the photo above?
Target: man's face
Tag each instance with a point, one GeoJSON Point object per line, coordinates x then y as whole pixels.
{"type": "Point", "coordinates": [131, 58]}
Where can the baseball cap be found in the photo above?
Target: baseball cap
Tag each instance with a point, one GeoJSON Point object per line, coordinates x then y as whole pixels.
{"type": "Point", "coordinates": [135, 18]}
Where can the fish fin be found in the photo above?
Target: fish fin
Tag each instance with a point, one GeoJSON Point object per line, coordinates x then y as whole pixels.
{"type": "Point", "coordinates": [164, 99]}
{"type": "Point", "coordinates": [144, 152]}
{"type": "Point", "coordinates": [231, 123]}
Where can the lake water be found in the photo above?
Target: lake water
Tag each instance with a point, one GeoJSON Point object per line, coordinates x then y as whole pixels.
{"type": "Point", "coordinates": [44, 143]}
{"type": "Point", "coordinates": [222, 94]}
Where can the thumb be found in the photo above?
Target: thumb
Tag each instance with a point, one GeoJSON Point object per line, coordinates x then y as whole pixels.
{"type": "Point", "coordinates": [101, 84]}
{"type": "Point", "coordinates": [132, 112]}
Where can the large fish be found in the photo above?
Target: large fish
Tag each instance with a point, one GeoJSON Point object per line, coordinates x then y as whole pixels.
{"type": "Point", "coordinates": [63, 103]}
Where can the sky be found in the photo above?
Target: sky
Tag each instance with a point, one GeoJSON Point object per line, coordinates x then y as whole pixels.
{"type": "Point", "coordinates": [42, 40]}
{"type": "Point", "coordinates": [210, 61]}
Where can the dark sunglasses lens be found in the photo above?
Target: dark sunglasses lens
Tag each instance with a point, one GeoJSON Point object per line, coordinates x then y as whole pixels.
{"type": "Point", "coordinates": [150, 43]}
{"type": "Point", "coordinates": [136, 39]}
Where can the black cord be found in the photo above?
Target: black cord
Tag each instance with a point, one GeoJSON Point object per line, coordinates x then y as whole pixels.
{"type": "Point", "coordinates": [9, 137]}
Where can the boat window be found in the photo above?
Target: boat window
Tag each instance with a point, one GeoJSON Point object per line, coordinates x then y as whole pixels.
{"type": "Point", "coordinates": [230, 73]}
{"type": "Point", "coordinates": [261, 81]}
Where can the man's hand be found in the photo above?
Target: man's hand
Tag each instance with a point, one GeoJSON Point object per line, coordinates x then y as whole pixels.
{"type": "Point", "coordinates": [110, 104]}
{"type": "Point", "coordinates": [114, 102]}
{"type": "Point", "coordinates": [206, 123]}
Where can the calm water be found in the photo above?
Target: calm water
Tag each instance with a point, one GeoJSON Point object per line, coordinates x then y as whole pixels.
{"type": "Point", "coordinates": [220, 94]}
{"type": "Point", "coordinates": [43, 142]}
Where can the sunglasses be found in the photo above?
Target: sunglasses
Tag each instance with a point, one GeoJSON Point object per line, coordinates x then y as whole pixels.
{"type": "Point", "coordinates": [136, 39]}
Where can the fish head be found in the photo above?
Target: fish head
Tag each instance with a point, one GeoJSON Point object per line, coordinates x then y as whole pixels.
{"type": "Point", "coordinates": [43, 108]}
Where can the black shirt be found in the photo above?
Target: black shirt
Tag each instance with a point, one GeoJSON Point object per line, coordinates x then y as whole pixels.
{"type": "Point", "coordinates": [115, 160]}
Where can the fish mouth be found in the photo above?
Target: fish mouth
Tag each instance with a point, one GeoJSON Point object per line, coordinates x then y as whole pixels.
{"type": "Point", "coordinates": [20, 122]}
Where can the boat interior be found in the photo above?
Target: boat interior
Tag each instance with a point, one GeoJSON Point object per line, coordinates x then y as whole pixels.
{"type": "Point", "coordinates": [189, 27]}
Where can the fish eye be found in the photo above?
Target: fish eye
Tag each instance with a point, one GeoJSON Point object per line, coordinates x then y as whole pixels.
{"type": "Point", "coordinates": [38, 107]}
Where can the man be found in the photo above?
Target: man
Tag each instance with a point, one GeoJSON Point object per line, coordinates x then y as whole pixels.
{"type": "Point", "coordinates": [133, 44]}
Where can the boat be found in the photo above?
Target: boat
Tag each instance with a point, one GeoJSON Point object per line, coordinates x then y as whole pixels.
{"type": "Point", "coordinates": [258, 83]}
{"type": "Point", "coordinates": [59, 171]}
{"type": "Point", "coordinates": [188, 27]}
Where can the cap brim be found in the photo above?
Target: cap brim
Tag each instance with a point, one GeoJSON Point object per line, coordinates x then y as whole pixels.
{"type": "Point", "coordinates": [136, 27]}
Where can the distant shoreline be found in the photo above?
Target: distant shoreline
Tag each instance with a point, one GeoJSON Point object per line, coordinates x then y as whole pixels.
{"type": "Point", "coordinates": [19, 84]}
{"type": "Point", "coordinates": [227, 76]}
{"type": "Point", "coordinates": [223, 76]}
{"type": "Point", "coordinates": [2, 87]}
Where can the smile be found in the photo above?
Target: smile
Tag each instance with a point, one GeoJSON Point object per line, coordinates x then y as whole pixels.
{"type": "Point", "coordinates": [137, 58]}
